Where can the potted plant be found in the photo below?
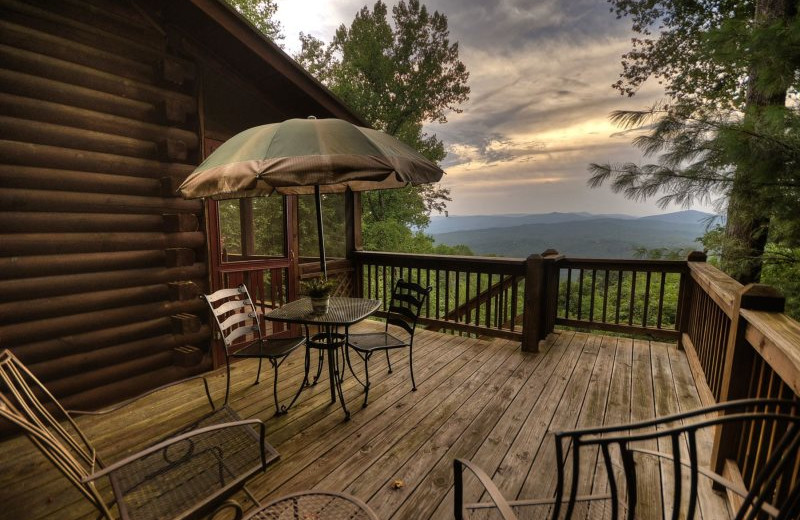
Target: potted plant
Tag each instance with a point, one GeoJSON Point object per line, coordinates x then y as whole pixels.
{"type": "Point", "coordinates": [319, 290]}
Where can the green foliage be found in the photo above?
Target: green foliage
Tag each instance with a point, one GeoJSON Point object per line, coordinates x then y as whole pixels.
{"type": "Point", "coordinates": [398, 76]}
{"type": "Point", "coordinates": [319, 287]}
{"type": "Point", "coordinates": [261, 13]}
{"type": "Point", "coordinates": [726, 134]}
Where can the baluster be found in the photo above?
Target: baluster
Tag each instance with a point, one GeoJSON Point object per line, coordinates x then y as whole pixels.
{"type": "Point", "coordinates": [569, 293]}
{"type": "Point", "coordinates": [661, 300]}
{"type": "Point", "coordinates": [591, 299]}
{"type": "Point", "coordinates": [438, 296]}
{"type": "Point", "coordinates": [488, 311]}
{"type": "Point", "coordinates": [632, 302]}
{"type": "Point", "coordinates": [619, 296]}
{"type": "Point", "coordinates": [646, 299]}
{"type": "Point", "coordinates": [605, 296]}
{"type": "Point", "coordinates": [427, 300]}
{"type": "Point", "coordinates": [446, 293]}
{"type": "Point", "coordinates": [514, 295]}
{"type": "Point", "coordinates": [580, 293]}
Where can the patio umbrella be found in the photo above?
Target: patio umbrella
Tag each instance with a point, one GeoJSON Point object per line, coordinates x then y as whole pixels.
{"type": "Point", "coordinates": [303, 156]}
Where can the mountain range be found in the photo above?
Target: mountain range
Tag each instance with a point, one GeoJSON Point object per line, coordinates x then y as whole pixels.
{"type": "Point", "coordinates": [574, 234]}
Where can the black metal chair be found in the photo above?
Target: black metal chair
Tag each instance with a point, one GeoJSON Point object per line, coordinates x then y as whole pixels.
{"type": "Point", "coordinates": [185, 475]}
{"type": "Point", "coordinates": [774, 491]}
{"type": "Point", "coordinates": [404, 309]}
{"type": "Point", "coordinates": [239, 325]}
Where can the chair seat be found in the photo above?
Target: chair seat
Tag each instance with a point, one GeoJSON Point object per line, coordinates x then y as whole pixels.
{"type": "Point", "coordinates": [269, 348]}
{"type": "Point", "coordinates": [375, 341]}
{"type": "Point", "coordinates": [165, 484]}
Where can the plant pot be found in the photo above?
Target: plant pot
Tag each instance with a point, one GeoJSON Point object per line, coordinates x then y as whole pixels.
{"type": "Point", "coordinates": [320, 304]}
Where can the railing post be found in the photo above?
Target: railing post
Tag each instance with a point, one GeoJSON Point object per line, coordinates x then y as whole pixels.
{"type": "Point", "coordinates": [551, 279]}
{"type": "Point", "coordinates": [738, 363]}
{"type": "Point", "coordinates": [533, 311]}
{"type": "Point", "coordinates": [353, 241]}
{"type": "Point", "coordinates": [684, 309]}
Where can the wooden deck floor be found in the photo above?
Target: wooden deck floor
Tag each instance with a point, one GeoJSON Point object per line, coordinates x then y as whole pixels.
{"type": "Point", "coordinates": [482, 400]}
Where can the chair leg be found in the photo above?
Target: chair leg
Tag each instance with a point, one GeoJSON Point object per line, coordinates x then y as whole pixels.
{"type": "Point", "coordinates": [275, 364]}
{"type": "Point", "coordinates": [320, 361]}
{"type": "Point", "coordinates": [411, 366]}
{"type": "Point", "coordinates": [258, 373]}
{"type": "Point", "coordinates": [366, 377]}
{"type": "Point", "coordinates": [227, 379]}
{"type": "Point", "coordinates": [388, 361]}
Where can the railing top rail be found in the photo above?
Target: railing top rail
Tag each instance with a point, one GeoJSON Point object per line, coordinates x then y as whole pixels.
{"type": "Point", "coordinates": [484, 263]}
{"type": "Point", "coordinates": [723, 289]}
{"type": "Point", "coordinates": [776, 337]}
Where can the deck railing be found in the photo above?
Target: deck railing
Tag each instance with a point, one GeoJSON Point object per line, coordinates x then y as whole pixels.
{"type": "Point", "coordinates": [626, 296]}
{"type": "Point", "coordinates": [738, 341]}
{"type": "Point", "coordinates": [482, 296]}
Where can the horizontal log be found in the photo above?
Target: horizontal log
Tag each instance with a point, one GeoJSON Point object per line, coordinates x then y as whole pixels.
{"type": "Point", "coordinates": [27, 177]}
{"type": "Point", "coordinates": [105, 27]}
{"type": "Point", "coordinates": [37, 330]}
{"type": "Point", "coordinates": [44, 200]}
{"type": "Point", "coordinates": [35, 266]}
{"type": "Point", "coordinates": [61, 70]}
{"type": "Point", "coordinates": [40, 222]}
{"type": "Point", "coordinates": [180, 222]}
{"type": "Point", "coordinates": [39, 88]}
{"type": "Point", "coordinates": [115, 354]}
{"type": "Point", "coordinates": [54, 348]}
{"type": "Point", "coordinates": [24, 107]}
{"type": "Point", "coordinates": [44, 286]}
{"type": "Point", "coordinates": [181, 291]}
{"type": "Point", "coordinates": [53, 243]}
{"type": "Point", "coordinates": [495, 265]}
{"type": "Point", "coordinates": [52, 306]}
{"type": "Point", "coordinates": [25, 130]}
{"type": "Point", "coordinates": [179, 257]}
{"type": "Point", "coordinates": [32, 154]}
{"type": "Point", "coordinates": [71, 385]}
{"type": "Point", "coordinates": [57, 46]}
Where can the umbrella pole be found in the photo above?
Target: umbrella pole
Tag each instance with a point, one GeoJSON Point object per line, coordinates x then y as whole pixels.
{"type": "Point", "coordinates": [320, 237]}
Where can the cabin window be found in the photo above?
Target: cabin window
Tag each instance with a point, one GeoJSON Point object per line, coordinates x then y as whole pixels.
{"type": "Point", "coordinates": [252, 229]}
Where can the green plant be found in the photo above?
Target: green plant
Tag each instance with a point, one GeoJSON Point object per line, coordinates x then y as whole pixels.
{"type": "Point", "coordinates": [318, 287]}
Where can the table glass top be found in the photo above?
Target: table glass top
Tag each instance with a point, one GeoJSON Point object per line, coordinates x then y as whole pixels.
{"type": "Point", "coordinates": [341, 311]}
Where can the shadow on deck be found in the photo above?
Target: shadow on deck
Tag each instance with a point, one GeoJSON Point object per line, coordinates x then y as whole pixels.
{"type": "Point", "coordinates": [482, 400]}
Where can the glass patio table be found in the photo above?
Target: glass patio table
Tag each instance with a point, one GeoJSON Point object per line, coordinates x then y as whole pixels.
{"type": "Point", "coordinates": [342, 313]}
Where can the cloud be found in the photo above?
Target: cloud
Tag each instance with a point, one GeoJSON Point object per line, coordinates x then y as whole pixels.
{"type": "Point", "coordinates": [540, 73]}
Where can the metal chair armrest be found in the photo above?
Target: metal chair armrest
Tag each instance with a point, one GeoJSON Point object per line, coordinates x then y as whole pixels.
{"type": "Point", "coordinates": [502, 505]}
{"type": "Point", "coordinates": [179, 438]}
{"type": "Point", "coordinates": [132, 400]}
{"type": "Point", "coordinates": [649, 423]}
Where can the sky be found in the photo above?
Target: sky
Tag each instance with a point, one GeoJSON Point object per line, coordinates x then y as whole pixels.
{"type": "Point", "coordinates": [540, 78]}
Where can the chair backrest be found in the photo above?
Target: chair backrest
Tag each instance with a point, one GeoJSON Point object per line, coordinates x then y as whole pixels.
{"type": "Point", "coordinates": [406, 304]}
{"type": "Point", "coordinates": [30, 407]}
{"type": "Point", "coordinates": [774, 491]}
{"type": "Point", "coordinates": [235, 315]}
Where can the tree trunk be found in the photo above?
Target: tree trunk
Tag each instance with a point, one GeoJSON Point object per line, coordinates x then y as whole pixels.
{"type": "Point", "coordinates": [747, 226]}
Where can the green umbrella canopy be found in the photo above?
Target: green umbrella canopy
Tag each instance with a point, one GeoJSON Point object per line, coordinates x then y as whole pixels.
{"type": "Point", "coordinates": [294, 156]}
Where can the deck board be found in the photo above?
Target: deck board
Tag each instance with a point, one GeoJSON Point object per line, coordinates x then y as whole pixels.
{"type": "Point", "coordinates": [482, 400]}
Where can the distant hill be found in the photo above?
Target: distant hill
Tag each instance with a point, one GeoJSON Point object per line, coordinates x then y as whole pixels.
{"type": "Point", "coordinates": [440, 224]}
{"type": "Point", "coordinates": [578, 234]}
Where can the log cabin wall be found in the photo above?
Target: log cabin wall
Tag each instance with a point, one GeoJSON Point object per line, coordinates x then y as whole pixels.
{"type": "Point", "coordinates": [100, 262]}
